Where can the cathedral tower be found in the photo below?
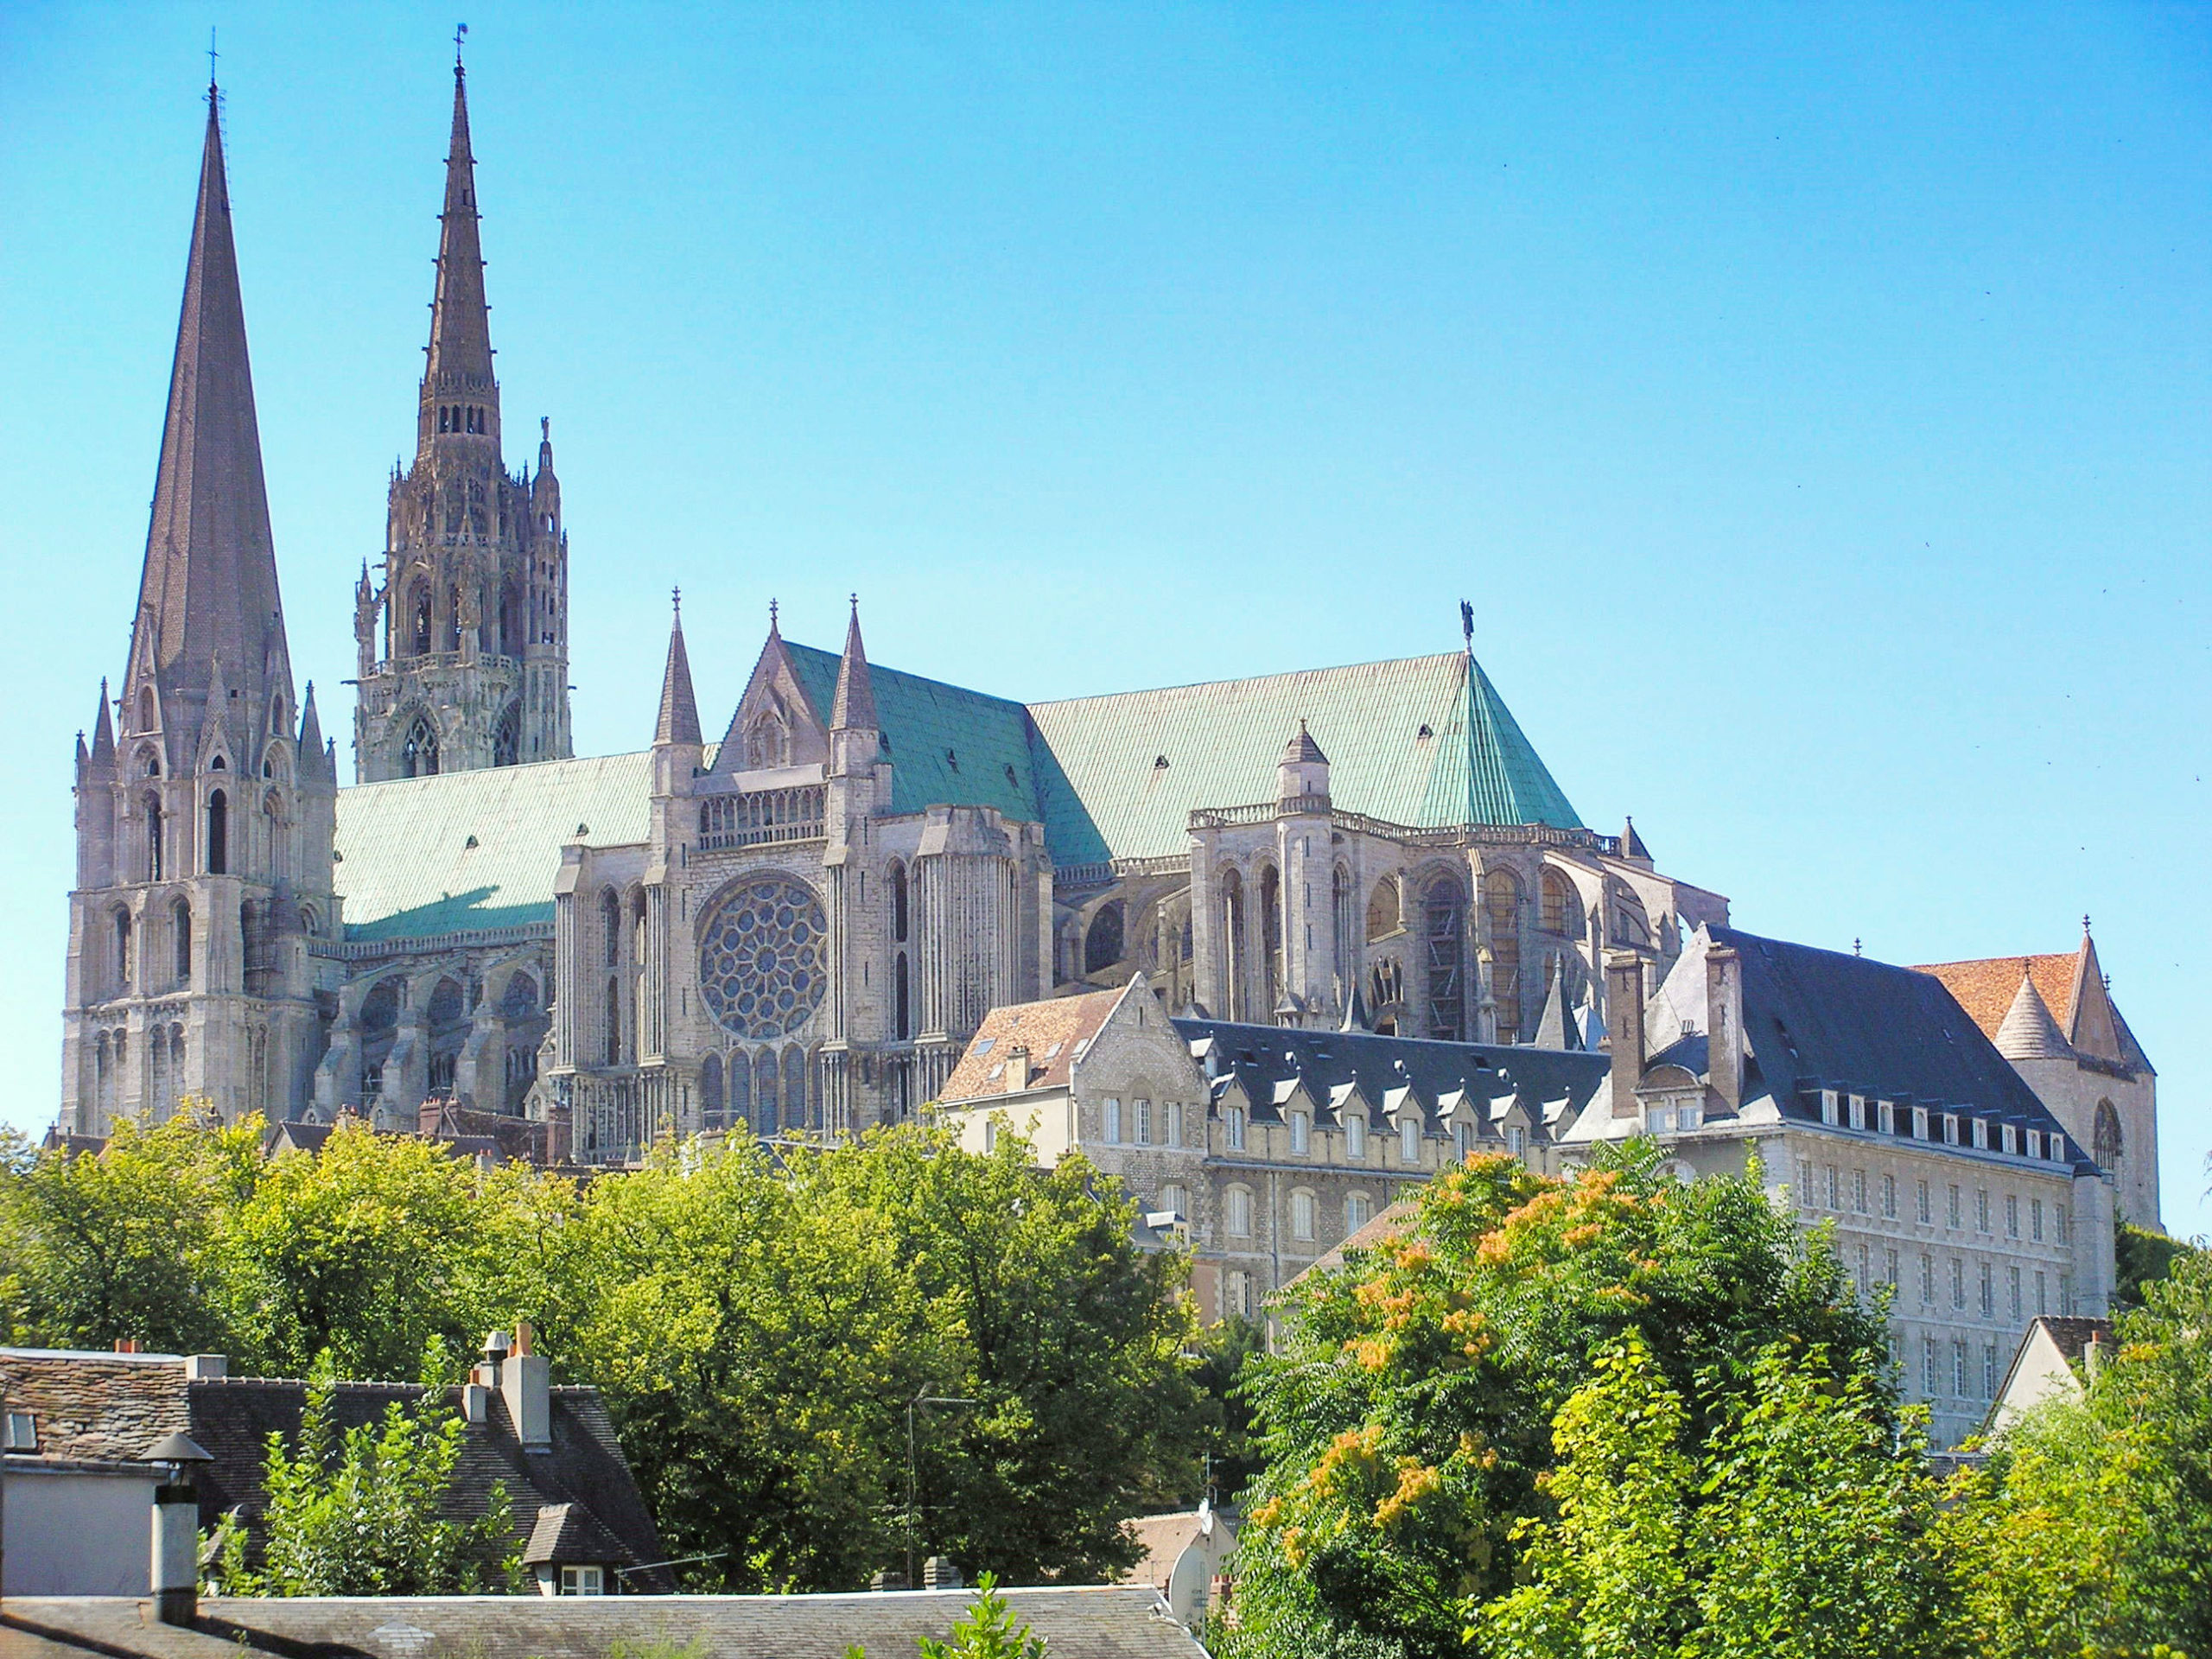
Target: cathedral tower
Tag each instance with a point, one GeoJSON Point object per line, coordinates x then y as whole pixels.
{"type": "Point", "coordinates": [464, 645]}
{"type": "Point", "coordinates": [206, 809]}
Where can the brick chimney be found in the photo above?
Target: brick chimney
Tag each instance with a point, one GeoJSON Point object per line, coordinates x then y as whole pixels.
{"type": "Point", "coordinates": [525, 1382]}
{"type": "Point", "coordinates": [1624, 1029]}
{"type": "Point", "coordinates": [1017, 1069]}
{"type": "Point", "coordinates": [1724, 1018]}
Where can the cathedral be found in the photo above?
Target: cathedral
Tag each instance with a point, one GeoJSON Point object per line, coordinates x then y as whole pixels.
{"type": "Point", "coordinates": [805, 924]}
{"type": "Point", "coordinates": [798, 925]}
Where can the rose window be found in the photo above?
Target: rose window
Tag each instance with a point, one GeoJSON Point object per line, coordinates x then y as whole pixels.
{"type": "Point", "coordinates": [764, 958]}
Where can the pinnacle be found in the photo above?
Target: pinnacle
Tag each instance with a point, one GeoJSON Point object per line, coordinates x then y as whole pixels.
{"type": "Point", "coordinates": [853, 709]}
{"type": "Point", "coordinates": [679, 708]}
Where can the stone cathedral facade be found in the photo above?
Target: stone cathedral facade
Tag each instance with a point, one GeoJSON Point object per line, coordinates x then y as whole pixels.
{"type": "Point", "coordinates": [797, 925]}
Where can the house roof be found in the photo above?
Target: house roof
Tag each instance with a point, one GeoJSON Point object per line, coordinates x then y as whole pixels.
{"type": "Point", "coordinates": [1392, 1220]}
{"type": "Point", "coordinates": [1083, 1622]}
{"type": "Point", "coordinates": [1823, 1019]}
{"type": "Point", "coordinates": [2071, 985]}
{"type": "Point", "coordinates": [1267, 1059]}
{"type": "Point", "coordinates": [1421, 741]}
{"type": "Point", "coordinates": [111, 1408]}
{"type": "Point", "coordinates": [566, 1533]}
{"type": "Point", "coordinates": [1053, 1031]}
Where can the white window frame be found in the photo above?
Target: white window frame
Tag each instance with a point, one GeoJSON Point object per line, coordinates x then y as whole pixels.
{"type": "Point", "coordinates": [1355, 1135]}
{"type": "Point", "coordinates": [1409, 1140]}
{"type": "Point", "coordinates": [1359, 1210]}
{"type": "Point", "coordinates": [1920, 1122]}
{"type": "Point", "coordinates": [583, 1581]}
{"type": "Point", "coordinates": [1302, 1133]}
{"type": "Point", "coordinates": [1232, 1128]}
{"type": "Point", "coordinates": [1141, 1109]}
{"type": "Point", "coordinates": [1236, 1212]}
{"type": "Point", "coordinates": [1305, 1215]}
{"type": "Point", "coordinates": [1110, 1120]}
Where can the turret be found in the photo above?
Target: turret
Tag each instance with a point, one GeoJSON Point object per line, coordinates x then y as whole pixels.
{"type": "Point", "coordinates": [1302, 776]}
{"type": "Point", "coordinates": [677, 744]}
{"type": "Point", "coordinates": [855, 741]}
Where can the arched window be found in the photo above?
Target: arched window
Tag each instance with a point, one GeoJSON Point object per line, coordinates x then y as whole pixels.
{"type": "Point", "coordinates": [506, 736]}
{"type": "Point", "coordinates": [638, 950]}
{"type": "Point", "coordinates": [150, 810]}
{"type": "Point", "coordinates": [519, 1000]}
{"type": "Point", "coordinates": [272, 831]}
{"type": "Point", "coordinates": [418, 611]}
{"type": "Point", "coordinates": [1557, 908]}
{"type": "Point", "coordinates": [511, 622]}
{"type": "Point", "coordinates": [1235, 996]}
{"type": "Point", "coordinates": [1271, 937]}
{"type": "Point", "coordinates": [1102, 945]}
{"type": "Point", "coordinates": [418, 755]}
{"type": "Point", "coordinates": [180, 933]}
{"type": "Point", "coordinates": [741, 1092]}
{"type": "Point", "coordinates": [453, 619]}
{"type": "Point", "coordinates": [901, 1020]}
{"type": "Point", "coordinates": [897, 902]}
{"type": "Point", "coordinates": [1501, 903]}
{"type": "Point", "coordinates": [2106, 1145]}
{"type": "Point", "coordinates": [610, 925]}
{"type": "Point", "coordinates": [146, 708]}
{"type": "Point", "coordinates": [1239, 1209]}
{"type": "Point", "coordinates": [613, 1022]}
{"type": "Point", "coordinates": [767, 742]}
{"type": "Point", "coordinates": [121, 952]}
{"type": "Point", "coordinates": [1384, 918]}
{"type": "Point", "coordinates": [1443, 909]}
{"type": "Point", "coordinates": [219, 833]}
{"type": "Point", "coordinates": [794, 1087]}
{"type": "Point", "coordinates": [765, 1118]}
{"type": "Point", "coordinates": [710, 1091]}
{"type": "Point", "coordinates": [1340, 928]}
{"type": "Point", "coordinates": [1302, 1216]}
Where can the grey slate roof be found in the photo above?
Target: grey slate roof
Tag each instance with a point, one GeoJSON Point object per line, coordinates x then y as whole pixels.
{"type": "Point", "coordinates": [1262, 1059]}
{"type": "Point", "coordinates": [1091, 1622]}
{"type": "Point", "coordinates": [103, 1407]}
{"type": "Point", "coordinates": [1821, 1020]}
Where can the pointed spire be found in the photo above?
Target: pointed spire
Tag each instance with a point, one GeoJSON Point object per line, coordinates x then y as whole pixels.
{"type": "Point", "coordinates": [1556, 1026]}
{"type": "Point", "coordinates": [854, 707]}
{"type": "Point", "coordinates": [1302, 750]}
{"type": "Point", "coordinates": [1632, 845]}
{"type": "Point", "coordinates": [679, 709]}
{"type": "Point", "coordinates": [461, 329]}
{"type": "Point", "coordinates": [2029, 1033]}
{"type": "Point", "coordinates": [103, 731]}
{"type": "Point", "coordinates": [1354, 1011]}
{"type": "Point", "coordinates": [209, 585]}
{"type": "Point", "coordinates": [311, 753]}
{"type": "Point", "coordinates": [2092, 1024]}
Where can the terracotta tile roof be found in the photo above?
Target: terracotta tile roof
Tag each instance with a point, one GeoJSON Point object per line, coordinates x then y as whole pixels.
{"type": "Point", "coordinates": [1052, 1031]}
{"type": "Point", "coordinates": [1394, 1220]}
{"type": "Point", "coordinates": [1986, 989]}
{"type": "Point", "coordinates": [1163, 1538]}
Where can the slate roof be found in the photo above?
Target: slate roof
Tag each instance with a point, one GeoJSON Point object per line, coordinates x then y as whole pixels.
{"type": "Point", "coordinates": [1086, 1622]}
{"type": "Point", "coordinates": [1820, 1019]}
{"type": "Point", "coordinates": [1265, 1059]}
{"type": "Point", "coordinates": [1086, 768]}
{"type": "Point", "coordinates": [1052, 1030]}
{"type": "Point", "coordinates": [111, 1408]}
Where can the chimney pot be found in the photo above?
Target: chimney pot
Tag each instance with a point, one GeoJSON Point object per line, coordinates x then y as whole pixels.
{"type": "Point", "coordinates": [938, 1573]}
{"type": "Point", "coordinates": [200, 1368]}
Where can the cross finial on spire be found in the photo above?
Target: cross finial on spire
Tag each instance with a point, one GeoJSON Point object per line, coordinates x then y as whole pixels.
{"type": "Point", "coordinates": [676, 600]}
{"type": "Point", "coordinates": [855, 599]}
{"type": "Point", "coordinates": [210, 58]}
{"type": "Point", "coordinates": [2085, 923]}
{"type": "Point", "coordinates": [771, 616]}
{"type": "Point", "coordinates": [460, 39]}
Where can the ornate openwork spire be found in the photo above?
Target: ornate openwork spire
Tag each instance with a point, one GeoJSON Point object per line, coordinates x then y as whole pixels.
{"type": "Point", "coordinates": [460, 328]}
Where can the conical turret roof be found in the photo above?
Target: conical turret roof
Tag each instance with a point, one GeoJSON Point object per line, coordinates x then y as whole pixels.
{"type": "Point", "coordinates": [209, 585]}
{"type": "Point", "coordinates": [2029, 1033]}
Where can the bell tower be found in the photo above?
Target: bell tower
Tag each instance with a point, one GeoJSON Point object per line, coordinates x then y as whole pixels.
{"type": "Point", "coordinates": [462, 633]}
{"type": "Point", "coordinates": [207, 802]}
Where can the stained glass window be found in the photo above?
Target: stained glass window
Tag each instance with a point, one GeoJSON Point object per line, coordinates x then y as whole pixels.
{"type": "Point", "coordinates": [763, 962]}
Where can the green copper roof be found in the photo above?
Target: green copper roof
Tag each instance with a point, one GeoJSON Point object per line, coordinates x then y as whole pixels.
{"type": "Point", "coordinates": [478, 849]}
{"type": "Point", "coordinates": [947, 745]}
{"type": "Point", "coordinates": [1409, 740]}
{"type": "Point", "coordinates": [1422, 741]}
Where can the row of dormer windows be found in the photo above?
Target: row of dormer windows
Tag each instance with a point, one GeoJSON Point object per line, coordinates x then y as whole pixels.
{"type": "Point", "coordinates": [1840, 1109]}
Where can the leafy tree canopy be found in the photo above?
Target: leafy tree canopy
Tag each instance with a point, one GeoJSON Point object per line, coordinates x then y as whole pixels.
{"type": "Point", "coordinates": [1430, 1435]}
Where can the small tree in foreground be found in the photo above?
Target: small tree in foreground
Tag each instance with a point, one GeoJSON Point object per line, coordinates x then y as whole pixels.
{"type": "Point", "coordinates": [987, 1632]}
{"type": "Point", "coordinates": [363, 1513]}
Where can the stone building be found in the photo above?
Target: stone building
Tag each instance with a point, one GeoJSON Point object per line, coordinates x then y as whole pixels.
{"type": "Point", "coordinates": [1877, 1106]}
{"type": "Point", "coordinates": [1258, 1147]}
{"type": "Point", "coordinates": [2054, 1019]}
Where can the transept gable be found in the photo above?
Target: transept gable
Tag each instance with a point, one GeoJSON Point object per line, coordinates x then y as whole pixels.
{"type": "Point", "coordinates": [777, 722]}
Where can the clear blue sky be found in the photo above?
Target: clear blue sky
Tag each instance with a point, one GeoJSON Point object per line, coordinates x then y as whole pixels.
{"type": "Point", "coordinates": [1811, 399]}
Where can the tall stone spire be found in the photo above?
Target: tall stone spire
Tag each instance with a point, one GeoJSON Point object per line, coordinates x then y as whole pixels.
{"type": "Point", "coordinates": [854, 707]}
{"type": "Point", "coordinates": [209, 586]}
{"type": "Point", "coordinates": [679, 708]}
{"type": "Point", "coordinates": [457, 377]}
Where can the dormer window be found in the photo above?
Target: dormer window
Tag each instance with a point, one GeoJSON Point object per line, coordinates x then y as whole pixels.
{"type": "Point", "coordinates": [1301, 1132]}
{"type": "Point", "coordinates": [1829, 1113]}
{"type": "Point", "coordinates": [1232, 1128]}
{"type": "Point", "coordinates": [1355, 1135]}
{"type": "Point", "coordinates": [1409, 1140]}
{"type": "Point", "coordinates": [583, 1582]}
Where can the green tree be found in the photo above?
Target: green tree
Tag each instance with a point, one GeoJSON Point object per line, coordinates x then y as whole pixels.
{"type": "Point", "coordinates": [1410, 1422]}
{"type": "Point", "coordinates": [2090, 1530]}
{"type": "Point", "coordinates": [379, 1244]}
{"type": "Point", "coordinates": [126, 1243]}
{"type": "Point", "coordinates": [362, 1512]}
{"type": "Point", "coordinates": [760, 1329]}
{"type": "Point", "coordinates": [986, 1631]}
